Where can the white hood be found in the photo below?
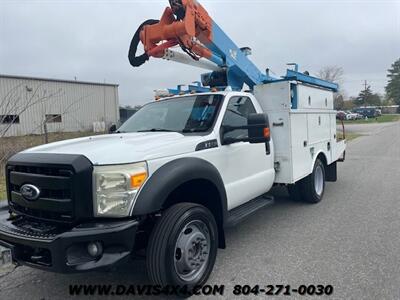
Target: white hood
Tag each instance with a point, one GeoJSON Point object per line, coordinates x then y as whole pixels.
{"type": "Point", "coordinates": [124, 148]}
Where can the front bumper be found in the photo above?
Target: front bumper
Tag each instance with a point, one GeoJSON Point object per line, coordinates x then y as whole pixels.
{"type": "Point", "coordinates": [66, 251]}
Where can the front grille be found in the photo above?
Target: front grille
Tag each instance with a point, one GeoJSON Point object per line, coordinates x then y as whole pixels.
{"type": "Point", "coordinates": [42, 214]}
{"type": "Point", "coordinates": [44, 171]}
{"type": "Point", "coordinates": [46, 193]}
{"type": "Point", "coordinates": [64, 181]}
{"type": "Point", "coordinates": [56, 198]}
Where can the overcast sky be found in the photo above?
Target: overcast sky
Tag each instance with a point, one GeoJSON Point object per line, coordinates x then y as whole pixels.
{"type": "Point", "coordinates": [90, 39]}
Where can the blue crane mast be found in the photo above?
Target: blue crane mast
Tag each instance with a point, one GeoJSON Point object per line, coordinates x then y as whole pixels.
{"type": "Point", "coordinates": [187, 24]}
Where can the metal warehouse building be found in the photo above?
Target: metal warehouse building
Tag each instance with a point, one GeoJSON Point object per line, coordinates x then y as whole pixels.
{"type": "Point", "coordinates": [31, 105]}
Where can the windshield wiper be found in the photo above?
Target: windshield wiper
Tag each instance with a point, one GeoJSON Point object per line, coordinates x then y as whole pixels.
{"type": "Point", "coordinates": [156, 130]}
{"type": "Point", "coordinates": [190, 130]}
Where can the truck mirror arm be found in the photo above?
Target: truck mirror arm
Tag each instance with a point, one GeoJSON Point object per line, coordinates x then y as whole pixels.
{"type": "Point", "coordinates": [252, 139]}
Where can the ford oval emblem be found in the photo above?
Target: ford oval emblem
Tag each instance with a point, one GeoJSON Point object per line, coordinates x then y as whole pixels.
{"type": "Point", "coordinates": [30, 192]}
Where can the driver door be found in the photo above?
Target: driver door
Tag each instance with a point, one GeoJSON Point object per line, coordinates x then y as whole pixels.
{"type": "Point", "coordinates": [248, 170]}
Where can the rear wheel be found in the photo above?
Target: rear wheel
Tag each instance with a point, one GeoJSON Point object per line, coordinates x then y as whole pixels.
{"type": "Point", "coordinates": [183, 246]}
{"type": "Point", "coordinates": [313, 186]}
{"type": "Point", "coordinates": [310, 189]}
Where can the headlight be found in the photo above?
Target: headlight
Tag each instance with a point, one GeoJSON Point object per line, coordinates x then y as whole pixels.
{"type": "Point", "coordinates": [115, 188]}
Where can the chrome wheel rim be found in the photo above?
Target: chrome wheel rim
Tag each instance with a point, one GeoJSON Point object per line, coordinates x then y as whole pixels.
{"type": "Point", "coordinates": [319, 181]}
{"type": "Point", "coordinates": [192, 250]}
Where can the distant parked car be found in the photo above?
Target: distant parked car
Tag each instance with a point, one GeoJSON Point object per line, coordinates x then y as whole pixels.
{"type": "Point", "coordinates": [351, 116]}
{"type": "Point", "coordinates": [367, 112]}
{"type": "Point", "coordinates": [359, 116]}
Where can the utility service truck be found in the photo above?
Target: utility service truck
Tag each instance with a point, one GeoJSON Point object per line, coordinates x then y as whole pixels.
{"type": "Point", "coordinates": [173, 177]}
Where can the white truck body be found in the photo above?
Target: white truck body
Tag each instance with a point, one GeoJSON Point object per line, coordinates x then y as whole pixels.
{"type": "Point", "coordinates": [179, 171]}
{"type": "Point", "coordinates": [298, 137]}
{"type": "Point", "coordinates": [177, 174]}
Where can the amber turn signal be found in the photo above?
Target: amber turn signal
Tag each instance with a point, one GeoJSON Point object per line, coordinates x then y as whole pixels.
{"type": "Point", "coordinates": [138, 179]}
{"type": "Point", "coordinates": [267, 132]}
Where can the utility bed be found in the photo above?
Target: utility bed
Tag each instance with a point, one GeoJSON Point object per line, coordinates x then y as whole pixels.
{"type": "Point", "coordinates": [303, 125]}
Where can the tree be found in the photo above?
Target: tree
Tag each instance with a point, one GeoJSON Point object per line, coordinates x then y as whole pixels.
{"type": "Point", "coordinates": [331, 73]}
{"type": "Point", "coordinates": [367, 97]}
{"type": "Point", "coordinates": [338, 102]}
{"type": "Point", "coordinates": [375, 100]}
{"type": "Point", "coordinates": [364, 95]}
{"type": "Point", "coordinates": [16, 101]}
{"type": "Point", "coordinates": [348, 105]}
{"type": "Point", "coordinates": [388, 102]}
{"type": "Point", "coordinates": [334, 74]}
{"type": "Point", "coordinates": [393, 86]}
{"type": "Point", "coordinates": [19, 99]}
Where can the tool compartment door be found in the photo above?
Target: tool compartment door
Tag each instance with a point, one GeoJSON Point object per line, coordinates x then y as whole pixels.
{"type": "Point", "coordinates": [301, 157]}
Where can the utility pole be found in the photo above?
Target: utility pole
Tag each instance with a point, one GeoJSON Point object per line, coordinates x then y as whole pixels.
{"type": "Point", "coordinates": [364, 98]}
{"type": "Point", "coordinates": [104, 103]}
{"type": "Point", "coordinates": [365, 85]}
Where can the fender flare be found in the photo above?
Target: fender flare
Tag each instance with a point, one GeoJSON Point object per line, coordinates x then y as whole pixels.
{"type": "Point", "coordinates": [320, 152]}
{"type": "Point", "coordinates": [330, 169]}
{"type": "Point", "coordinates": [169, 177]}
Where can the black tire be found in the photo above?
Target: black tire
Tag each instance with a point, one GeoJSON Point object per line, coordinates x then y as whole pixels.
{"type": "Point", "coordinates": [312, 190]}
{"type": "Point", "coordinates": [162, 247]}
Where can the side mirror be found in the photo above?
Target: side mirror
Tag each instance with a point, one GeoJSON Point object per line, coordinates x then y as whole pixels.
{"type": "Point", "coordinates": [259, 131]}
{"type": "Point", "coordinates": [112, 129]}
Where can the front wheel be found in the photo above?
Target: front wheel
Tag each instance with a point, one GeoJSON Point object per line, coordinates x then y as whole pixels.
{"type": "Point", "coordinates": [183, 246]}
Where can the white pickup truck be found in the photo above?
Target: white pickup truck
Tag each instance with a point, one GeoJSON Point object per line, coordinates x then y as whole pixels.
{"type": "Point", "coordinates": [169, 181]}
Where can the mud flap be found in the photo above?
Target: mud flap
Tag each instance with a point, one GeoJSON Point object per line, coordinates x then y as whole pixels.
{"type": "Point", "coordinates": [331, 172]}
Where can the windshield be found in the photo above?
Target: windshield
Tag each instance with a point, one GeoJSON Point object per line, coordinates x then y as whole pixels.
{"type": "Point", "coordinates": [184, 114]}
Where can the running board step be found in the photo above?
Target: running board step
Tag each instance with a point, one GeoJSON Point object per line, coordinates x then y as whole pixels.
{"type": "Point", "coordinates": [240, 213]}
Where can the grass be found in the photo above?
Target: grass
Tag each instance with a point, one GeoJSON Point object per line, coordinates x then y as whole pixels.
{"type": "Point", "coordinates": [349, 135]}
{"type": "Point", "coordinates": [352, 136]}
{"type": "Point", "coordinates": [381, 119]}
